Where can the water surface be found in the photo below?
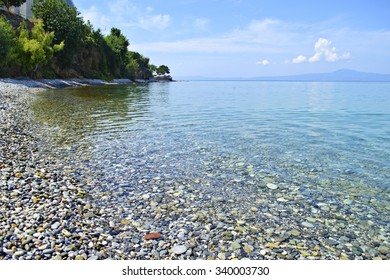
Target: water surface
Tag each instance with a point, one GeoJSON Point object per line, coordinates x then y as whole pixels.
{"type": "Point", "coordinates": [326, 145]}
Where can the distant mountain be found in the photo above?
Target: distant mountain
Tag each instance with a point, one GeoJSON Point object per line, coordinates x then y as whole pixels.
{"type": "Point", "coordinates": [340, 75]}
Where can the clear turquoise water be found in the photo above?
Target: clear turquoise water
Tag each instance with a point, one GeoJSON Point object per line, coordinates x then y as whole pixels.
{"type": "Point", "coordinates": [227, 139]}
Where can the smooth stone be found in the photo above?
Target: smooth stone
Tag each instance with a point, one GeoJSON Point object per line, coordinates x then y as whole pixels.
{"type": "Point", "coordinates": [307, 224]}
{"type": "Point", "coordinates": [235, 245]}
{"type": "Point", "coordinates": [347, 201]}
{"type": "Point", "coordinates": [254, 209]}
{"type": "Point", "coordinates": [248, 249]}
{"type": "Point", "coordinates": [179, 249]}
{"type": "Point", "coordinates": [311, 220]}
{"type": "Point", "coordinates": [79, 258]}
{"type": "Point", "coordinates": [19, 253]}
{"type": "Point", "coordinates": [295, 233]}
{"type": "Point", "coordinates": [66, 233]}
{"type": "Point", "coordinates": [181, 235]}
{"type": "Point", "coordinates": [55, 225]}
{"type": "Point", "coordinates": [47, 251]}
{"type": "Point", "coordinates": [221, 256]}
{"type": "Point", "coordinates": [383, 250]}
{"type": "Point", "coordinates": [272, 186]}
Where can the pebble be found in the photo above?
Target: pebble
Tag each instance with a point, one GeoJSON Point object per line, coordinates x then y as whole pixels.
{"type": "Point", "coordinates": [47, 251]}
{"type": "Point", "coordinates": [154, 235]}
{"type": "Point", "coordinates": [248, 249]}
{"type": "Point", "coordinates": [55, 225]}
{"type": "Point", "coordinates": [272, 186]}
{"type": "Point", "coordinates": [383, 250]}
{"type": "Point", "coordinates": [295, 233]}
{"type": "Point", "coordinates": [307, 224]}
{"type": "Point", "coordinates": [235, 245]}
{"type": "Point", "coordinates": [179, 249]}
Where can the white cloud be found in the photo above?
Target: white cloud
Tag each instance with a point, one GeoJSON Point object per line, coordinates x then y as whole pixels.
{"type": "Point", "coordinates": [263, 62]}
{"type": "Point", "coordinates": [265, 36]}
{"type": "Point", "coordinates": [324, 50]}
{"type": "Point", "coordinates": [299, 59]}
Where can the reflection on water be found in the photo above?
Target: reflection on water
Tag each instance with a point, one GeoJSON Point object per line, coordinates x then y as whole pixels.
{"type": "Point", "coordinates": [77, 114]}
{"type": "Point", "coordinates": [331, 130]}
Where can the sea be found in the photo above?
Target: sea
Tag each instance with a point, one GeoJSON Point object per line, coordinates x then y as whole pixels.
{"type": "Point", "coordinates": [329, 140]}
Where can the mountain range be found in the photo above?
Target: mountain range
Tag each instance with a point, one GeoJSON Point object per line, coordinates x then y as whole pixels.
{"type": "Point", "coordinates": [346, 75]}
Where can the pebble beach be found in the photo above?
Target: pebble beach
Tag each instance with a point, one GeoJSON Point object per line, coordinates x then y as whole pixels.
{"type": "Point", "coordinates": [48, 212]}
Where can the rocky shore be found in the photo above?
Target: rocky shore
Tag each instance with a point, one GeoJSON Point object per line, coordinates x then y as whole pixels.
{"type": "Point", "coordinates": [48, 212]}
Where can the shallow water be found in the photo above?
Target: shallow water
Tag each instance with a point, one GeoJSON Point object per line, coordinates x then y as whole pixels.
{"type": "Point", "coordinates": [330, 141]}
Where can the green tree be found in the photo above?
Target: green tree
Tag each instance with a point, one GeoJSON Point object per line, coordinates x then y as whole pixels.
{"type": "Point", "coordinates": [7, 36]}
{"type": "Point", "coordinates": [152, 68]}
{"type": "Point", "coordinates": [132, 69]}
{"type": "Point", "coordinates": [143, 65]}
{"type": "Point", "coordinates": [119, 44]}
{"type": "Point", "coordinates": [35, 48]}
{"type": "Point", "coordinates": [9, 3]}
{"type": "Point", "coordinates": [66, 23]}
{"type": "Point", "coordinates": [162, 70]}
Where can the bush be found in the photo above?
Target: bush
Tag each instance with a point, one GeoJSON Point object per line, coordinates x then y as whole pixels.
{"type": "Point", "coordinates": [35, 49]}
{"type": "Point", "coordinates": [7, 40]}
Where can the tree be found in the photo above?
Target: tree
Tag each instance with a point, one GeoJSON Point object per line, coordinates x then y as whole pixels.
{"type": "Point", "coordinates": [9, 3]}
{"type": "Point", "coordinates": [119, 44]}
{"type": "Point", "coordinates": [132, 69]}
{"type": "Point", "coordinates": [7, 36]}
{"type": "Point", "coordinates": [35, 48]}
{"type": "Point", "coordinates": [66, 23]}
{"type": "Point", "coordinates": [144, 71]}
{"type": "Point", "coordinates": [162, 70]}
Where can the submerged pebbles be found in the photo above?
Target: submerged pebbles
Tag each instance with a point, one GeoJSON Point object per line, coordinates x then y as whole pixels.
{"type": "Point", "coordinates": [47, 211]}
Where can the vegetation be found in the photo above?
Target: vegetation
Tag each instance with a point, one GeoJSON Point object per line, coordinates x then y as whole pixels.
{"type": "Point", "coordinates": [58, 43]}
{"type": "Point", "coordinates": [9, 3]}
{"type": "Point", "coordinates": [7, 37]}
{"type": "Point", "coordinates": [34, 48]}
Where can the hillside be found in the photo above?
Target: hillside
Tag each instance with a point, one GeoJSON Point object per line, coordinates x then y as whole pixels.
{"type": "Point", "coordinates": [67, 47]}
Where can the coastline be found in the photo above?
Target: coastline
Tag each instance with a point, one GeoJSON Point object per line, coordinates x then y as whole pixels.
{"type": "Point", "coordinates": [63, 83]}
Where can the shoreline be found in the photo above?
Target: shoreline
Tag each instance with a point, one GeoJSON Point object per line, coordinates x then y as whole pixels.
{"type": "Point", "coordinates": [64, 83]}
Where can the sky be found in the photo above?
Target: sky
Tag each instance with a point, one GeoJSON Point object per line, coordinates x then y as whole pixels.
{"type": "Point", "coordinates": [250, 38]}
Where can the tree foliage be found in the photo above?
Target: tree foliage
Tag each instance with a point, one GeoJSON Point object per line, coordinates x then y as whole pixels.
{"type": "Point", "coordinates": [162, 70]}
{"type": "Point", "coordinates": [142, 62]}
{"type": "Point", "coordinates": [35, 48]}
{"type": "Point", "coordinates": [7, 36]}
{"type": "Point", "coordinates": [119, 44]}
{"type": "Point", "coordinates": [9, 3]}
{"type": "Point", "coordinates": [66, 23]}
{"type": "Point", "coordinates": [61, 44]}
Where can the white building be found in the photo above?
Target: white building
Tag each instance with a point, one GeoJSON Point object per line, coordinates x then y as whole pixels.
{"type": "Point", "coordinates": [25, 9]}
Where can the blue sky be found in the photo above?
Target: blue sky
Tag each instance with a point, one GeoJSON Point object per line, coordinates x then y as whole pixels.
{"type": "Point", "coordinates": [240, 38]}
